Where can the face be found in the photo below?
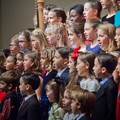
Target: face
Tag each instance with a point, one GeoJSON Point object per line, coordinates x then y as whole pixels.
{"type": "Point", "coordinates": [89, 32]}
{"type": "Point", "coordinates": [73, 38]}
{"type": "Point", "coordinates": [43, 60]}
{"type": "Point", "coordinates": [71, 65]}
{"type": "Point", "coordinates": [45, 16]}
{"type": "Point", "coordinates": [9, 63]}
{"type": "Point", "coordinates": [81, 68]}
{"type": "Point", "coordinates": [3, 86]}
{"type": "Point", "coordinates": [23, 42]}
{"type": "Point", "coordinates": [58, 61]}
{"type": "Point", "coordinates": [52, 18]}
{"type": "Point", "coordinates": [35, 43]}
{"type": "Point", "coordinates": [50, 94]}
{"type": "Point", "coordinates": [27, 63]}
{"type": "Point", "coordinates": [22, 86]}
{"type": "Point", "coordinates": [75, 16]}
{"type": "Point", "coordinates": [14, 48]}
{"type": "Point", "coordinates": [105, 3]}
{"type": "Point", "coordinates": [117, 37]}
{"type": "Point", "coordinates": [118, 66]}
{"type": "Point", "coordinates": [97, 69]}
{"type": "Point", "coordinates": [19, 64]}
{"type": "Point", "coordinates": [66, 101]}
{"type": "Point", "coordinates": [88, 12]}
{"type": "Point", "coordinates": [103, 39]}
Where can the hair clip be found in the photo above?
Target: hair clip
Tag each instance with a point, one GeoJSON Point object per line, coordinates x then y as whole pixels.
{"type": "Point", "coordinates": [75, 52]}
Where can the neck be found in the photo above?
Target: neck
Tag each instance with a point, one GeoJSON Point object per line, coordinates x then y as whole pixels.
{"type": "Point", "coordinates": [111, 11]}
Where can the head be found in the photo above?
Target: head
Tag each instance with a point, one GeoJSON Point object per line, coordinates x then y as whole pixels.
{"type": "Point", "coordinates": [104, 65]}
{"type": "Point", "coordinates": [92, 10]}
{"type": "Point", "coordinates": [90, 29]}
{"type": "Point", "coordinates": [85, 63]}
{"type": "Point", "coordinates": [117, 36]}
{"type": "Point", "coordinates": [76, 13]}
{"type": "Point", "coordinates": [10, 62]}
{"type": "Point", "coordinates": [38, 40]}
{"type": "Point", "coordinates": [8, 81]}
{"type": "Point", "coordinates": [60, 60]}
{"type": "Point", "coordinates": [14, 45]}
{"type": "Point", "coordinates": [105, 36]}
{"type": "Point", "coordinates": [29, 82]}
{"type": "Point", "coordinates": [57, 15]}
{"type": "Point", "coordinates": [24, 40]}
{"type": "Point", "coordinates": [46, 60]}
{"type": "Point", "coordinates": [2, 59]}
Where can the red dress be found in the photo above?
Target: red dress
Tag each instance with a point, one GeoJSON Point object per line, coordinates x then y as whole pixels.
{"type": "Point", "coordinates": [2, 95]}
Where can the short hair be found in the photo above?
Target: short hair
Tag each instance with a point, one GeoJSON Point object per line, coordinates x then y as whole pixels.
{"type": "Point", "coordinates": [10, 77]}
{"type": "Point", "coordinates": [50, 6]}
{"type": "Point", "coordinates": [79, 8]}
{"type": "Point", "coordinates": [64, 51]}
{"type": "Point", "coordinates": [32, 79]}
{"type": "Point", "coordinates": [108, 61]}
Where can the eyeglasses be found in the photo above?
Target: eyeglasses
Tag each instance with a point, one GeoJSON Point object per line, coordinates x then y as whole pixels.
{"type": "Point", "coordinates": [12, 45]}
{"type": "Point", "coordinates": [21, 41]}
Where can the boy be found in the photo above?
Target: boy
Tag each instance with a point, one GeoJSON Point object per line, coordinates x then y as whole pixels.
{"type": "Point", "coordinates": [29, 108]}
{"type": "Point", "coordinates": [10, 104]}
{"type": "Point", "coordinates": [61, 62]}
{"type": "Point", "coordinates": [107, 94]}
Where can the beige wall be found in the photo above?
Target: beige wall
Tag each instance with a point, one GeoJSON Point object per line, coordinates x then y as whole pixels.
{"type": "Point", "coordinates": [0, 27]}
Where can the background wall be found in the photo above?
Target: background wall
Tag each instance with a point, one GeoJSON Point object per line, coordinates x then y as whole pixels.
{"type": "Point", "coordinates": [17, 15]}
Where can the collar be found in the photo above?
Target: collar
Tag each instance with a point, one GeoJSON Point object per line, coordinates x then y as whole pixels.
{"type": "Point", "coordinates": [60, 72]}
{"type": "Point", "coordinates": [27, 97]}
{"type": "Point", "coordinates": [105, 80]}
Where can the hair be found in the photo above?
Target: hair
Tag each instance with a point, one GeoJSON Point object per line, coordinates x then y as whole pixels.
{"type": "Point", "coordinates": [14, 58]}
{"type": "Point", "coordinates": [60, 13]}
{"type": "Point", "coordinates": [109, 30]}
{"type": "Point", "coordinates": [15, 39]}
{"type": "Point", "coordinates": [39, 34]}
{"type": "Point", "coordinates": [87, 57]}
{"type": "Point", "coordinates": [95, 4]}
{"type": "Point", "coordinates": [32, 79]}
{"type": "Point", "coordinates": [10, 77]}
{"type": "Point", "coordinates": [35, 58]}
{"type": "Point", "coordinates": [50, 6]}
{"type": "Point", "coordinates": [116, 4]}
{"type": "Point", "coordinates": [79, 8]}
{"type": "Point", "coordinates": [58, 89]}
{"type": "Point", "coordinates": [49, 53]}
{"type": "Point", "coordinates": [64, 51]}
{"type": "Point", "coordinates": [85, 98]}
{"type": "Point", "coordinates": [108, 61]}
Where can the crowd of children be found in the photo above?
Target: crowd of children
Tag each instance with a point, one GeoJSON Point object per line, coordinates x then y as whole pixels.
{"type": "Point", "coordinates": [68, 71]}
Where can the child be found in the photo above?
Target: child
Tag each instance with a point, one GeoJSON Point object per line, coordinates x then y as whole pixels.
{"type": "Point", "coordinates": [85, 63]}
{"type": "Point", "coordinates": [54, 93]}
{"type": "Point", "coordinates": [38, 40]}
{"type": "Point", "coordinates": [117, 36]}
{"type": "Point", "coordinates": [14, 45]}
{"type": "Point", "coordinates": [10, 104]}
{"type": "Point", "coordinates": [92, 10]}
{"type": "Point", "coordinates": [90, 31]}
{"type": "Point", "coordinates": [10, 62]}
{"type": "Point", "coordinates": [60, 62]}
{"type": "Point", "coordinates": [76, 13]}
{"type": "Point", "coordinates": [82, 104]}
{"type": "Point", "coordinates": [48, 74]}
{"type": "Point", "coordinates": [105, 37]}
{"type": "Point", "coordinates": [55, 36]}
{"type": "Point", "coordinates": [29, 109]}
{"type": "Point", "coordinates": [106, 97]}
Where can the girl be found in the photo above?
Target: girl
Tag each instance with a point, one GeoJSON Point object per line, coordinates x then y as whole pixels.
{"type": "Point", "coordinates": [14, 45]}
{"type": "Point", "coordinates": [90, 30]}
{"type": "Point", "coordinates": [112, 7]}
{"type": "Point", "coordinates": [82, 103]}
{"type": "Point", "coordinates": [31, 64]}
{"type": "Point", "coordinates": [24, 40]}
{"type": "Point", "coordinates": [76, 35]}
{"type": "Point", "coordinates": [48, 74]}
{"type": "Point", "coordinates": [54, 93]}
{"type": "Point", "coordinates": [92, 10]}
{"type": "Point", "coordinates": [85, 63]}
{"type": "Point", "coordinates": [38, 40]}
{"type": "Point", "coordinates": [117, 36]}
{"type": "Point", "coordinates": [105, 37]}
{"type": "Point", "coordinates": [55, 36]}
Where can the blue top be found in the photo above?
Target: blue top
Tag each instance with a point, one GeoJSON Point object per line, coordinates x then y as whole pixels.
{"type": "Point", "coordinates": [117, 19]}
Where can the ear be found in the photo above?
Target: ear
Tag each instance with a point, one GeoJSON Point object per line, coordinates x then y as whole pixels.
{"type": "Point", "coordinates": [65, 61]}
{"type": "Point", "coordinates": [10, 86]}
{"type": "Point", "coordinates": [78, 106]}
{"type": "Point", "coordinates": [59, 19]}
{"type": "Point", "coordinates": [103, 69]}
{"type": "Point", "coordinates": [87, 65]}
{"type": "Point", "coordinates": [80, 35]}
{"type": "Point", "coordinates": [27, 87]}
{"type": "Point", "coordinates": [95, 12]}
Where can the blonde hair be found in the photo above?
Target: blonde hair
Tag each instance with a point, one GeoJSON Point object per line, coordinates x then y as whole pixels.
{"type": "Point", "coordinates": [109, 30]}
{"type": "Point", "coordinates": [39, 34]}
{"type": "Point", "coordinates": [116, 4]}
{"type": "Point", "coordinates": [15, 39]}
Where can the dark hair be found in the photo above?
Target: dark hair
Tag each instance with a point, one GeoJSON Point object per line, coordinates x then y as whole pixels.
{"type": "Point", "coordinates": [6, 52]}
{"type": "Point", "coordinates": [14, 58]}
{"type": "Point", "coordinates": [79, 8]}
{"type": "Point", "coordinates": [10, 77]}
{"type": "Point", "coordinates": [64, 51]}
{"type": "Point", "coordinates": [108, 61]}
{"type": "Point", "coordinates": [31, 79]}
